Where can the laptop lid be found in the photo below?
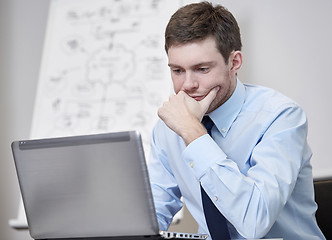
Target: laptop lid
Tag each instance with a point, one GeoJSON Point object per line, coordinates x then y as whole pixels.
{"type": "Point", "coordinates": [85, 186]}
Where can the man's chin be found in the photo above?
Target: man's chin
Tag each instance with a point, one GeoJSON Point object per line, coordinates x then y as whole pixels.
{"type": "Point", "coordinates": [213, 106]}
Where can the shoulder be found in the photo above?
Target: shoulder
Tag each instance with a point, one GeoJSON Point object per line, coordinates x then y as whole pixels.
{"type": "Point", "coordinates": [259, 98]}
{"type": "Point", "coordinates": [267, 107]}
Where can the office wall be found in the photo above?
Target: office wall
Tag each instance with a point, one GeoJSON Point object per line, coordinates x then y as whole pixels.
{"type": "Point", "coordinates": [22, 27]}
{"type": "Point", "coordinates": [286, 46]}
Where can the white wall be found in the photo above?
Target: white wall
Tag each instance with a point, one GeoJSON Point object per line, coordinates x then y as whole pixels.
{"type": "Point", "coordinates": [287, 46]}
{"type": "Point", "coordinates": [22, 27]}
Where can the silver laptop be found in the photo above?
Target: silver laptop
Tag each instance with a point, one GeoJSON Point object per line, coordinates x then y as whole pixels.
{"type": "Point", "coordinates": [88, 187]}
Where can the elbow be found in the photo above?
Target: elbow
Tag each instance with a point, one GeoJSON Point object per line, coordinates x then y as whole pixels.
{"type": "Point", "coordinates": [256, 224]}
{"type": "Point", "coordinates": [254, 232]}
{"type": "Point", "coordinates": [255, 235]}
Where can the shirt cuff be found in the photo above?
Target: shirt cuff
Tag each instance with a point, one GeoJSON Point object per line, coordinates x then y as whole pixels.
{"type": "Point", "coordinates": [202, 154]}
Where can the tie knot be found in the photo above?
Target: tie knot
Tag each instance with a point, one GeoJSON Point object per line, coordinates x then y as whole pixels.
{"type": "Point", "coordinates": [208, 123]}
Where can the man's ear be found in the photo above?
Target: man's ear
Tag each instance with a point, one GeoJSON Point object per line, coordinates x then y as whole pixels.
{"type": "Point", "coordinates": [235, 61]}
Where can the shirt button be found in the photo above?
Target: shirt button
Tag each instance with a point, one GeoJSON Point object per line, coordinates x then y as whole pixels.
{"type": "Point", "coordinates": [215, 198]}
{"type": "Point", "coordinates": [192, 164]}
{"type": "Point", "coordinates": [223, 130]}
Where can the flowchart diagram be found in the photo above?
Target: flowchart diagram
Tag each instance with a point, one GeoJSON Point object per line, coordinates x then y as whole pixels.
{"type": "Point", "coordinates": [104, 67]}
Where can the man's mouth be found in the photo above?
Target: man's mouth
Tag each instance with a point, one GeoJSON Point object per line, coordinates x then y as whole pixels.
{"type": "Point", "coordinates": [198, 98]}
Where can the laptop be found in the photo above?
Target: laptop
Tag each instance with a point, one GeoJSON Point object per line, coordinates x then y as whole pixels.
{"type": "Point", "coordinates": [88, 187]}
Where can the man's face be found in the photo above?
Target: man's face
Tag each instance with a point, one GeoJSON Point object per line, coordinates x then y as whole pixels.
{"type": "Point", "coordinates": [198, 67]}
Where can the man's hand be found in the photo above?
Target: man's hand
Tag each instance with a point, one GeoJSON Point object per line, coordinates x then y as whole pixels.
{"type": "Point", "coordinates": [183, 114]}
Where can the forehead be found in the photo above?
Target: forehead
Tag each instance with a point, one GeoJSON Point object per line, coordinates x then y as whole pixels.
{"type": "Point", "coordinates": [193, 53]}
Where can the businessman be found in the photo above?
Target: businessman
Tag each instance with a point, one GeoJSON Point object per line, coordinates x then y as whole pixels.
{"type": "Point", "coordinates": [236, 153]}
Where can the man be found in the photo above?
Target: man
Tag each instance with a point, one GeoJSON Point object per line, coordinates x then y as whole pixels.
{"type": "Point", "coordinates": [254, 164]}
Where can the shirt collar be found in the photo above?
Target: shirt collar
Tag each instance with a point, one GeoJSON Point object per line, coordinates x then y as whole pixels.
{"type": "Point", "coordinates": [224, 116]}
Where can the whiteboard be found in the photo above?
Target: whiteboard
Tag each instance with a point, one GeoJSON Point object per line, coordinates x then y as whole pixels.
{"type": "Point", "coordinates": [103, 69]}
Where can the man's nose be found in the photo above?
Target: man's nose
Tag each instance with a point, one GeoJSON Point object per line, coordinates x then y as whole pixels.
{"type": "Point", "coordinates": [190, 82]}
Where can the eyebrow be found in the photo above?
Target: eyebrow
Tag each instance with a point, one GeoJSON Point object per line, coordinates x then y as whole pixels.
{"type": "Point", "coordinates": [211, 63]}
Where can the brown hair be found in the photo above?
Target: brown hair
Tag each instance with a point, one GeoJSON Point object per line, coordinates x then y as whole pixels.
{"type": "Point", "coordinates": [197, 21]}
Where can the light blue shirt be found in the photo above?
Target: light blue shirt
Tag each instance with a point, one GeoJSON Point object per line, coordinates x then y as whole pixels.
{"type": "Point", "coordinates": [255, 168]}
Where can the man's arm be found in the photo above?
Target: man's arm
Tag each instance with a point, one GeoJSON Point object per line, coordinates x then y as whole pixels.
{"type": "Point", "coordinates": [166, 193]}
{"type": "Point", "coordinates": [253, 200]}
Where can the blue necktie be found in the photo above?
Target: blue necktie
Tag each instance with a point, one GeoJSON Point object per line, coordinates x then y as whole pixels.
{"type": "Point", "coordinates": [216, 222]}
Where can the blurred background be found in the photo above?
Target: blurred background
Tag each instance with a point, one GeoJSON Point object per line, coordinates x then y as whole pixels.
{"type": "Point", "coordinates": [286, 46]}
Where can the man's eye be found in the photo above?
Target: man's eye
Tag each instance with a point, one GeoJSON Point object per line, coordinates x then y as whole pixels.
{"type": "Point", "coordinates": [203, 69]}
{"type": "Point", "coordinates": [176, 70]}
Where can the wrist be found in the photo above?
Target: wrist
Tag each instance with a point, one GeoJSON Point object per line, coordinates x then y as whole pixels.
{"type": "Point", "coordinates": [193, 132]}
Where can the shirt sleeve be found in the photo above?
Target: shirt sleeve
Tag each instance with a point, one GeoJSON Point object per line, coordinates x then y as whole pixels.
{"type": "Point", "coordinates": [251, 201]}
{"type": "Point", "coordinates": [166, 193]}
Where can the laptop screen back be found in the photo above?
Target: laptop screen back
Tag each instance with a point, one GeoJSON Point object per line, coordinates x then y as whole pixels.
{"type": "Point", "coordinates": [85, 186]}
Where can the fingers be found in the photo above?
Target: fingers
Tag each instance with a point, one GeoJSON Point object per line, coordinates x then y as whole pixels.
{"type": "Point", "coordinates": [205, 103]}
{"type": "Point", "coordinates": [175, 103]}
